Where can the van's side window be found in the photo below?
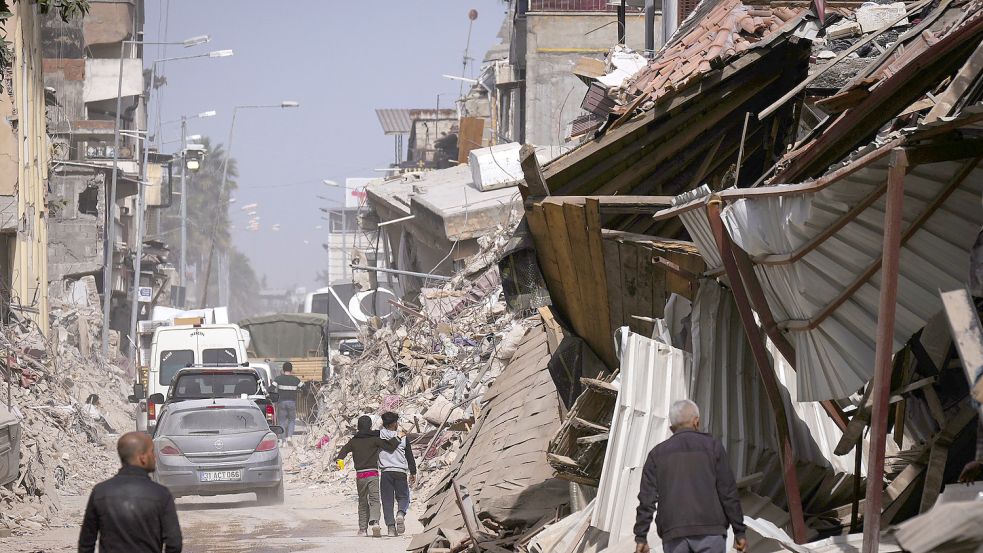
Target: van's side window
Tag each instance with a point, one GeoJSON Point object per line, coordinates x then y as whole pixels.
{"type": "Point", "coordinates": [219, 356]}
{"type": "Point", "coordinates": [173, 360]}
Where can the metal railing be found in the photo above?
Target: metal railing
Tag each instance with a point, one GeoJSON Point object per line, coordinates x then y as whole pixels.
{"type": "Point", "coordinates": [577, 6]}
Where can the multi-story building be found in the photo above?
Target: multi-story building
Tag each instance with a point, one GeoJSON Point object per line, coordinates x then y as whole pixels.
{"type": "Point", "coordinates": [23, 173]}
{"type": "Point", "coordinates": [345, 240]}
{"type": "Point", "coordinates": [82, 76]}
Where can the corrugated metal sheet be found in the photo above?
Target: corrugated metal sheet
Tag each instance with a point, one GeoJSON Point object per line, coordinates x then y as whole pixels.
{"type": "Point", "coordinates": [726, 385]}
{"type": "Point", "coordinates": [837, 357]}
{"type": "Point", "coordinates": [721, 378]}
{"type": "Point", "coordinates": [838, 544]}
{"type": "Point", "coordinates": [395, 121]}
{"type": "Point", "coordinates": [698, 226]}
{"type": "Point", "coordinates": [653, 375]}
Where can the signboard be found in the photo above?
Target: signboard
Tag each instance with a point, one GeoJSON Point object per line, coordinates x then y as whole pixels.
{"type": "Point", "coordinates": [145, 294]}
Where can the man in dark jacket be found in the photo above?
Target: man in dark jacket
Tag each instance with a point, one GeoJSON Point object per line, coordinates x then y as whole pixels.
{"type": "Point", "coordinates": [286, 386]}
{"type": "Point", "coordinates": [129, 513]}
{"type": "Point", "coordinates": [365, 447]}
{"type": "Point", "coordinates": [689, 479]}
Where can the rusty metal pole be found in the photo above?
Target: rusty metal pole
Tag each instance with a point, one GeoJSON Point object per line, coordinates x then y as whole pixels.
{"type": "Point", "coordinates": [768, 380]}
{"type": "Point", "coordinates": [881, 391]}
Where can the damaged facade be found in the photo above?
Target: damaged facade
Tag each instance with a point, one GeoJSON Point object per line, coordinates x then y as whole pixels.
{"type": "Point", "coordinates": [82, 75]}
{"type": "Point", "coordinates": [24, 169]}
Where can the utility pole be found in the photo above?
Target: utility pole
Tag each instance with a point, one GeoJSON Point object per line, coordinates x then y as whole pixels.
{"type": "Point", "coordinates": [184, 210]}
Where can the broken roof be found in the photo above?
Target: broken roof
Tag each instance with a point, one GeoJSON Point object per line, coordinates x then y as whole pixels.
{"type": "Point", "coordinates": [816, 248]}
{"type": "Point", "coordinates": [728, 29]}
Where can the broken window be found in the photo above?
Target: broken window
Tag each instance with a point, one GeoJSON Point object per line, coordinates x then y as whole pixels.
{"type": "Point", "coordinates": [89, 201]}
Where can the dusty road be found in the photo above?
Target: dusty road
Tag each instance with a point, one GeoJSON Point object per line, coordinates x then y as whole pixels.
{"type": "Point", "coordinates": [311, 519]}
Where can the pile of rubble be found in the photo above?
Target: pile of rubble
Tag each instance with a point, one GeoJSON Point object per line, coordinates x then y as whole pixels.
{"type": "Point", "coordinates": [70, 403]}
{"type": "Point", "coordinates": [430, 363]}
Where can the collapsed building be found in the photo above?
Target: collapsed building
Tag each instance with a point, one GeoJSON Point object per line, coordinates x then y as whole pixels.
{"type": "Point", "coordinates": [776, 216]}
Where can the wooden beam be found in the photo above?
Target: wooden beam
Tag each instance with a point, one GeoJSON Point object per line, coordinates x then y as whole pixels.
{"type": "Point", "coordinates": [967, 335]}
{"type": "Point", "coordinates": [615, 205]}
{"type": "Point", "coordinates": [535, 184]}
{"type": "Point", "coordinates": [887, 307]}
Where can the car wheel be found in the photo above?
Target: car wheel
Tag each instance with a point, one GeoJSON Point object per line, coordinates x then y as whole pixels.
{"type": "Point", "coordinates": [271, 496]}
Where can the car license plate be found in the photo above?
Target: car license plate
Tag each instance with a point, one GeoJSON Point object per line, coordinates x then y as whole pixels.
{"type": "Point", "coordinates": [220, 476]}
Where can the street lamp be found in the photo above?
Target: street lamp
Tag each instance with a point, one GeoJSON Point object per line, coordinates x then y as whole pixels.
{"type": "Point", "coordinates": [225, 176]}
{"type": "Point", "coordinates": [184, 174]}
{"type": "Point", "coordinates": [137, 264]}
{"type": "Point", "coordinates": [110, 224]}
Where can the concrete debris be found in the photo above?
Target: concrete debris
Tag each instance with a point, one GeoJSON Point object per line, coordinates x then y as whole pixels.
{"type": "Point", "coordinates": [70, 402]}
{"type": "Point", "coordinates": [874, 17]}
{"type": "Point", "coordinates": [431, 366]}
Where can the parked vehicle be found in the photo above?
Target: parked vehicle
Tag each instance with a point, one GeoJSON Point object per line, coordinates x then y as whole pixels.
{"type": "Point", "coordinates": [185, 345]}
{"type": "Point", "coordinates": [193, 383]}
{"type": "Point", "coordinates": [216, 447]}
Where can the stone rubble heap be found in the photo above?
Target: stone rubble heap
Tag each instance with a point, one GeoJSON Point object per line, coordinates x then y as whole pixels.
{"type": "Point", "coordinates": [71, 406]}
{"type": "Point", "coordinates": [430, 363]}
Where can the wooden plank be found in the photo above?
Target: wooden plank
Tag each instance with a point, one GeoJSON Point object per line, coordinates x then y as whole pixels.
{"type": "Point", "coordinates": [933, 476]}
{"type": "Point", "coordinates": [602, 316]}
{"type": "Point", "coordinates": [651, 302]}
{"type": "Point", "coordinates": [582, 423]}
{"type": "Point", "coordinates": [576, 223]}
{"type": "Point", "coordinates": [630, 288]}
{"type": "Point", "coordinates": [534, 184]}
{"type": "Point", "coordinates": [612, 269]}
{"type": "Point", "coordinates": [596, 438]}
{"type": "Point", "coordinates": [472, 132]}
{"type": "Point", "coordinates": [618, 205]}
{"type": "Point", "coordinates": [967, 333]}
{"type": "Point", "coordinates": [536, 219]}
{"type": "Point", "coordinates": [559, 240]}
{"type": "Point", "coordinates": [562, 460]}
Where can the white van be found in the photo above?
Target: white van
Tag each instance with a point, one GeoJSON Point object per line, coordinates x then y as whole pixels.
{"type": "Point", "coordinates": [180, 346]}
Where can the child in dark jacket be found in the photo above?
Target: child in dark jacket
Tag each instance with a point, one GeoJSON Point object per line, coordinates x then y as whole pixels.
{"type": "Point", "coordinates": [365, 447]}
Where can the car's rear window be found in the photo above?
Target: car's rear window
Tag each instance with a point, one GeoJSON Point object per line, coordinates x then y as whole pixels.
{"type": "Point", "coordinates": [215, 421]}
{"type": "Point", "coordinates": [198, 386]}
{"type": "Point", "coordinates": [219, 356]}
{"type": "Point", "coordinates": [173, 360]}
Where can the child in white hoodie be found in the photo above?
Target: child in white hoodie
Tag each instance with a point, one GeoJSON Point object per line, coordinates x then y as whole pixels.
{"type": "Point", "coordinates": [398, 474]}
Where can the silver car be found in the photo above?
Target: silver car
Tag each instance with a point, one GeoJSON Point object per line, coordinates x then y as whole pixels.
{"type": "Point", "coordinates": [219, 446]}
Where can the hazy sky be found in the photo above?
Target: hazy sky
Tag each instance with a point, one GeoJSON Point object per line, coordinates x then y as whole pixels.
{"type": "Point", "coordinates": [340, 60]}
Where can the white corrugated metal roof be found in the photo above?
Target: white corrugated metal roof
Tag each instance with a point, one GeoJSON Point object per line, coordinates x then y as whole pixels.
{"type": "Point", "coordinates": [653, 375]}
{"type": "Point", "coordinates": [837, 357]}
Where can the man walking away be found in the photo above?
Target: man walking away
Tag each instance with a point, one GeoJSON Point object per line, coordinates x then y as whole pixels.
{"type": "Point", "coordinates": [688, 483]}
{"type": "Point", "coordinates": [365, 447]}
{"type": "Point", "coordinates": [129, 513]}
{"type": "Point", "coordinates": [398, 474]}
{"type": "Point", "coordinates": [286, 406]}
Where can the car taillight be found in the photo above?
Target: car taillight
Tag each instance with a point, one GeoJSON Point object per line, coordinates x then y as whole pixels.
{"type": "Point", "coordinates": [151, 411]}
{"type": "Point", "coordinates": [269, 413]}
{"type": "Point", "coordinates": [170, 450]}
{"type": "Point", "coordinates": [268, 443]}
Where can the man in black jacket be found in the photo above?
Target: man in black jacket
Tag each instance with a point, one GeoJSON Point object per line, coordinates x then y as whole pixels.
{"type": "Point", "coordinates": [689, 479]}
{"type": "Point", "coordinates": [129, 513]}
